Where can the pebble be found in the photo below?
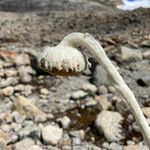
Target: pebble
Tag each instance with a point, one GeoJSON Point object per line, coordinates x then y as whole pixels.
{"type": "Point", "coordinates": [91, 103]}
{"type": "Point", "coordinates": [10, 72]}
{"type": "Point", "coordinates": [2, 73]}
{"type": "Point", "coordinates": [22, 59]}
{"type": "Point", "coordinates": [24, 144]}
{"type": "Point", "coordinates": [8, 91]}
{"type": "Point", "coordinates": [9, 81]}
{"type": "Point", "coordinates": [103, 102]}
{"type": "Point", "coordinates": [144, 80]}
{"type": "Point", "coordinates": [115, 146]}
{"type": "Point", "coordinates": [44, 91]}
{"type": "Point", "coordinates": [102, 90]}
{"type": "Point", "coordinates": [146, 54]}
{"type": "Point", "coordinates": [146, 111]}
{"type": "Point", "coordinates": [108, 122]}
{"type": "Point", "coordinates": [111, 89]}
{"type": "Point", "coordinates": [100, 76]}
{"type": "Point", "coordinates": [78, 134]}
{"type": "Point", "coordinates": [25, 107]}
{"type": "Point", "coordinates": [35, 147]}
{"type": "Point", "coordinates": [4, 138]}
{"type": "Point", "coordinates": [52, 134]}
{"type": "Point", "coordinates": [79, 94]}
{"type": "Point", "coordinates": [90, 88]}
{"type": "Point", "coordinates": [121, 106]}
{"type": "Point", "coordinates": [65, 122]}
{"type": "Point", "coordinates": [19, 88]}
{"type": "Point", "coordinates": [130, 55]}
{"type": "Point", "coordinates": [24, 76]}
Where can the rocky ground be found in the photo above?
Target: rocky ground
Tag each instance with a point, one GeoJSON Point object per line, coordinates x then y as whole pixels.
{"type": "Point", "coordinates": [42, 112]}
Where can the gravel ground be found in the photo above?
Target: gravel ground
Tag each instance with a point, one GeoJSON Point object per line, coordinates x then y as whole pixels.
{"type": "Point", "coordinates": [43, 112]}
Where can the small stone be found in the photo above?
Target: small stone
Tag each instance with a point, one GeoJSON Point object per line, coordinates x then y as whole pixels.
{"type": "Point", "coordinates": [10, 72]}
{"type": "Point", "coordinates": [5, 127]}
{"type": "Point", "coordinates": [79, 94]}
{"type": "Point", "coordinates": [144, 80]}
{"type": "Point", "coordinates": [24, 76]}
{"type": "Point", "coordinates": [135, 147]}
{"type": "Point", "coordinates": [146, 54]}
{"type": "Point", "coordinates": [17, 117]}
{"type": "Point", "coordinates": [65, 121]}
{"type": "Point", "coordinates": [90, 88]}
{"type": "Point", "coordinates": [78, 134]}
{"type": "Point", "coordinates": [135, 127]}
{"type": "Point", "coordinates": [35, 147]}
{"type": "Point", "coordinates": [14, 138]}
{"type": "Point", "coordinates": [8, 64]}
{"type": "Point", "coordinates": [76, 141]}
{"type": "Point", "coordinates": [130, 55]}
{"type": "Point", "coordinates": [2, 73]}
{"type": "Point", "coordinates": [111, 89]}
{"type": "Point", "coordinates": [90, 103]}
{"type": "Point", "coordinates": [146, 111]}
{"type": "Point", "coordinates": [105, 145]}
{"type": "Point", "coordinates": [8, 91]}
{"type": "Point", "coordinates": [9, 81]}
{"type": "Point", "coordinates": [121, 106]}
{"type": "Point", "coordinates": [25, 107]}
{"type": "Point", "coordinates": [28, 90]}
{"type": "Point", "coordinates": [115, 146]}
{"type": "Point", "coordinates": [51, 134]}
{"type": "Point", "coordinates": [24, 144]}
{"type": "Point", "coordinates": [109, 123]}
{"type": "Point", "coordinates": [22, 59]}
{"type": "Point", "coordinates": [102, 90]}
{"type": "Point", "coordinates": [100, 76]}
{"type": "Point", "coordinates": [44, 91]}
{"type": "Point", "coordinates": [4, 139]}
{"type": "Point", "coordinates": [103, 102]}
{"type": "Point", "coordinates": [19, 88]}
{"type": "Point", "coordinates": [129, 142]}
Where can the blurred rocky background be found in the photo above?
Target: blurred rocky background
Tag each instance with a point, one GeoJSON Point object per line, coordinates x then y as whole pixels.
{"type": "Point", "coordinates": [42, 112]}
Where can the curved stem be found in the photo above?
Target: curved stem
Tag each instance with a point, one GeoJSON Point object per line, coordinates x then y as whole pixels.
{"type": "Point", "coordinates": [99, 54]}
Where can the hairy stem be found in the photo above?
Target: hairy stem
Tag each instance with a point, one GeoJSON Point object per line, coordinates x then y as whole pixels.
{"type": "Point", "coordinates": [99, 54]}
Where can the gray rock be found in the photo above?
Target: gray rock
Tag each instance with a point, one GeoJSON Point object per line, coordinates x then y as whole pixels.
{"type": "Point", "coordinates": [51, 134]}
{"type": "Point", "coordinates": [79, 94]}
{"type": "Point", "coordinates": [121, 106]}
{"type": "Point", "coordinates": [100, 76]}
{"type": "Point", "coordinates": [144, 80]}
{"type": "Point", "coordinates": [9, 81]}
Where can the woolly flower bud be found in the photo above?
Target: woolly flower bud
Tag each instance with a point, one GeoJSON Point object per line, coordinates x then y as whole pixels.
{"type": "Point", "coordinates": [63, 61]}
